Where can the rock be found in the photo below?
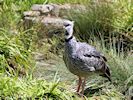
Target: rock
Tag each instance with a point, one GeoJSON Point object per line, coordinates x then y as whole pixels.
{"type": "Point", "coordinates": [48, 21]}
{"type": "Point", "coordinates": [37, 7]}
{"type": "Point", "coordinates": [31, 13]}
{"type": "Point", "coordinates": [33, 19]}
{"type": "Point", "coordinates": [49, 9]}
{"type": "Point", "coordinates": [42, 8]}
{"type": "Point", "coordinates": [48, 15]}
{"type": "Point", "coordinates": [55, 10]}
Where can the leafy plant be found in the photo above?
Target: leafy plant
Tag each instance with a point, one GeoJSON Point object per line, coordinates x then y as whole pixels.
{"type": "Point", "coordinates": [104, 20]}
{"type": "Point", "coordinates": [14, 57]}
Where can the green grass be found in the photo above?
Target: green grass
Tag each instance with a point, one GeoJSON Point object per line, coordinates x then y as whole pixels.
{"type": "Point", "coordinates": [13, 54]}
{"type": "Point", "coordinates": [121, 66]}
{"type": "Point", "coordinates": [114, 22]}
{"type": "Point", "coordinates": [28, 88]}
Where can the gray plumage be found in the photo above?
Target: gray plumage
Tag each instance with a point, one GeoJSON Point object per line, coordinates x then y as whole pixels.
{"type": "Point", "coordinates": [81, 58]}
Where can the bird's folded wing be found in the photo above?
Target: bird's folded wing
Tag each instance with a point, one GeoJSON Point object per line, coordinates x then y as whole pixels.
{"type": "Point", "coordinates": [90, 58]}
{"type": "Point", "coordinates": [89, 51]}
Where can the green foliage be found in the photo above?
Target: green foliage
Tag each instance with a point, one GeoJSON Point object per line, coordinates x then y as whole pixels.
{"type": "Point", "coordinates": [13, 55]}
{"type": "Point", "coordinates": [106, 20]}
{"type": "Point", "coordinates": [93, 22]}
{"type": "Point", "coordinates": [121, 66]}
{"type": "Point", "coordinates": [28, 88]}
{"type": "Point", "coordinates": [11, 11]}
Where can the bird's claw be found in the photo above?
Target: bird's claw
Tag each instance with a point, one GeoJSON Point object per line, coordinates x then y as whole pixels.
{"type": "Point", "coordinates": [82, 96]}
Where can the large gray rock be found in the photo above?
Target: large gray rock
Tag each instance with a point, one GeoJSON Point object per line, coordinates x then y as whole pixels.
{"type": "Point", "coordinates": [47, 21]}
{"type": "Point", "coordinates": [51, 9]}
{"type": "Point", "coordinates": [55, 10]}
{"type": "Point", "coordinates": [31, 13]}
{"type": "Point", "coordinates": [49, 15]}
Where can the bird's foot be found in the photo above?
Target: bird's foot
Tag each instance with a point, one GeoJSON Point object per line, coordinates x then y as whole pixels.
{"type": "Point", "coordinates": [81, 95]}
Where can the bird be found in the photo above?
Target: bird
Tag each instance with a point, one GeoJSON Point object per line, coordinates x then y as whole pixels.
{"type": "Point", "coordinates": [82, 59]}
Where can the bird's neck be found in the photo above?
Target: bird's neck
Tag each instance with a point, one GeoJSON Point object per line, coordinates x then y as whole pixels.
{"type": "Point", "coordinates": [68, 39]}
{"type": "Point", "coordinates": [71, 44]}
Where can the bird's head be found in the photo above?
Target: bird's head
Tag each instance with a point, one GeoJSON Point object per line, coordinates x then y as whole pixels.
{"type": "Point", "coordinates": [68, 26]}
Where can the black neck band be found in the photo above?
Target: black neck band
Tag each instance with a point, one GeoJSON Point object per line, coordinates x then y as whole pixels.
{"type": "Point", "coordinates": [67, 40]}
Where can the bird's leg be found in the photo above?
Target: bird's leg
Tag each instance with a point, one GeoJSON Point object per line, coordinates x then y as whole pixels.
{"type": "Point", "coordinates": [83, 85]}
{"type": "Point", "coordinates": [79, 84]}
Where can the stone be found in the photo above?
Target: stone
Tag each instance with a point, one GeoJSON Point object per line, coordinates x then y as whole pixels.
{"type": "Point", "coordinates": [31, 13]}
{"type": "Point", "coordinates": [49, 15]}
{"type": "Point", "coordinates": [48, 21]}
{"type": "Point", "coordinates": [47, 9]}
{"type": "Point", "coordinates": [42, 8]}
{"type": "Point", "coordinates": [37, 7]}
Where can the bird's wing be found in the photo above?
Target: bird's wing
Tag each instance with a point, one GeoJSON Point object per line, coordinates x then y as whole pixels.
{"type": "Point", "coordinates": [90, 58]}
{"type": "Point", "coordinates": [89, 51]}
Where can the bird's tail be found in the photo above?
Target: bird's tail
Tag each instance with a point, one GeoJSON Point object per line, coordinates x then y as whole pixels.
{"type": "Point", "coordinates": [106, 72]}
